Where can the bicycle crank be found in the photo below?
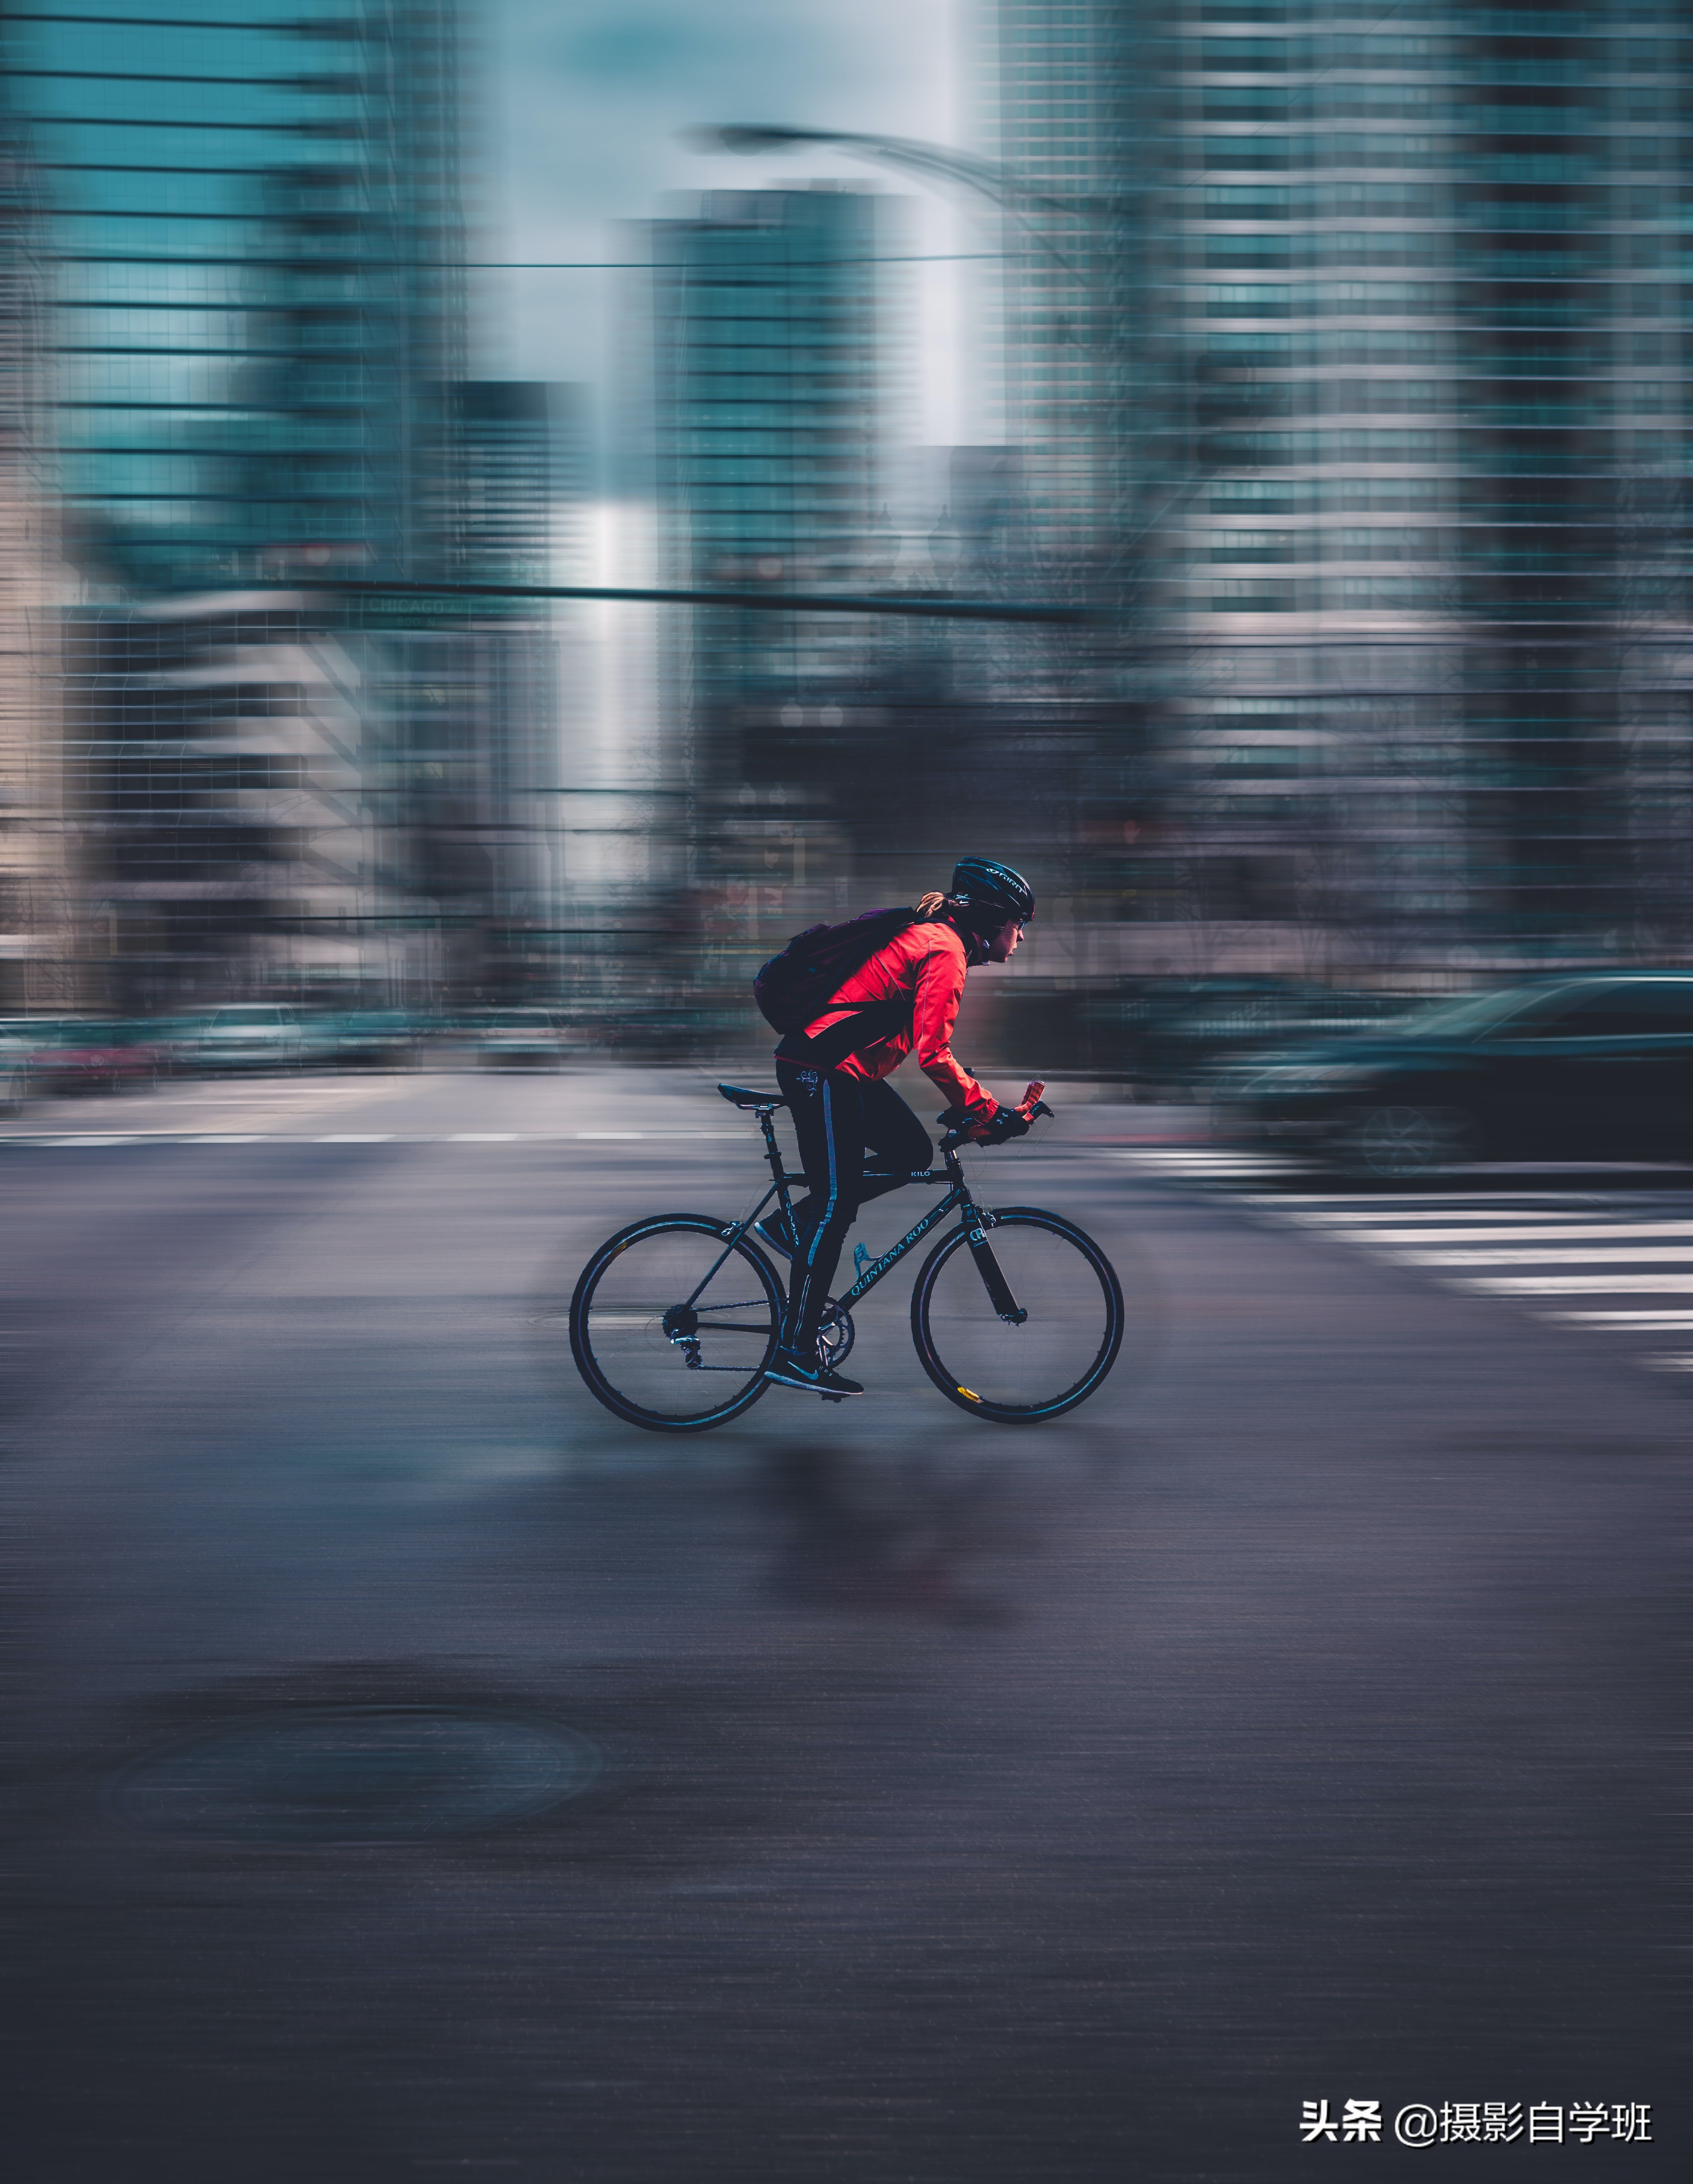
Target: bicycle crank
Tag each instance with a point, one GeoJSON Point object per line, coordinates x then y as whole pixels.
{"type": "Point", "coordinates": [835, 1336]}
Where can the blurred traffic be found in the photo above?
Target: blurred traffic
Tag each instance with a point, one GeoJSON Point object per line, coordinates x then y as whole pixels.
{"type": "Point", "coordinates": [1594, 1069]}
{"type": "Point", "coordinates": [1561, 1069]}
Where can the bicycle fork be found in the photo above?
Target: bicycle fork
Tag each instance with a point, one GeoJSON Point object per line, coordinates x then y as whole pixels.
{"type": "Point", "coordinates": [998, 1288]}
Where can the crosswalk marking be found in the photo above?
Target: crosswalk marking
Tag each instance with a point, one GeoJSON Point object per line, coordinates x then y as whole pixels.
{"type": "Point", "coordinates": [1586, 1254]}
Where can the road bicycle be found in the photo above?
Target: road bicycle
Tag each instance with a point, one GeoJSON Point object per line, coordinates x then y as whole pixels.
{"type": "Point", "coordinates": [1017, 1315]}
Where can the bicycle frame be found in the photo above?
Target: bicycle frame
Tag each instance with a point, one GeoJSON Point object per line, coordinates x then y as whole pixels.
{"type": "Point", "coordinates": [975, 1222]}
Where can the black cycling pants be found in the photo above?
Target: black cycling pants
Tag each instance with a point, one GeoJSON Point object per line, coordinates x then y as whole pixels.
{"type": "Point", "coordinates": [856, 1141]}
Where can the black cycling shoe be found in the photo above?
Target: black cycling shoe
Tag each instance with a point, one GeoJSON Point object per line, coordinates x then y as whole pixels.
{"type": "Point", "coordinates": [785, 1370]}
{"type": "Point", "coordinates": [773, 1230]}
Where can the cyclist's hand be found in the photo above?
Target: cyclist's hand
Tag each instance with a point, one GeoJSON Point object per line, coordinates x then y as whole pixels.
{"type": "Point", "coordinates": [995, 1129]}
{"type": "Point", "coordinates": [988, 1129]}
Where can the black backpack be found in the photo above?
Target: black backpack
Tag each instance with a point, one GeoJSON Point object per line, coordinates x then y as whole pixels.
{"type": "Point", "coordinates": [795, 987]}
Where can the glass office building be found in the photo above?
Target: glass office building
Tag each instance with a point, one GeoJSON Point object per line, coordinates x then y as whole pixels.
{"type": "Point", "coordinates": [251, 231]}
{"type": "Point", "coordinates": [1389, 375]}
{"type": "Point", "coordinates": [1044, 93]}
{"type": "Point", "coordinates": [779, 360]}
{"type": "Point", "coordinates": [774, 397]}
{"type": "Point", "coordinates": [37, 965]}
{"type": "Point", "coordinates": [255, 218]}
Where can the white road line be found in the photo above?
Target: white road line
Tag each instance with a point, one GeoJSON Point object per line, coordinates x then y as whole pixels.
{"type": "Point", "coordinates": [1552, 1224]}
{"type": "Point", "coordinates": [1578, 1284]}
{"type": "Point", "coordinates": [1344, 1206]}
{"type": "Point", "coordinates": [1624, 1322]}
{"type": "Point", "coordinates": [589, 1137]}
{"type": "Point", "coordinates": [299, 1137]}
{"type": "Point", "coordinates": [1186, 1155]}
{"type": "Point", "coordinates": [1220, 1165]}
{"type": "Point", "coordinates": [1555, 1254]}
{"type": "Point", "coordinates": [1596, 1231]}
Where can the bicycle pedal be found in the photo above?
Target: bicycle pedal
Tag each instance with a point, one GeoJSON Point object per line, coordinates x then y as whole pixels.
{"type": "Point", "coordinates": [834, 1399]}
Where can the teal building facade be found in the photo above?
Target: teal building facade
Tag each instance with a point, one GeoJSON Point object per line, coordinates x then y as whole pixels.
{"type": "Point", "coordinates": [248, 224]}
{"type": "Point", "coordinates": [254, 220]}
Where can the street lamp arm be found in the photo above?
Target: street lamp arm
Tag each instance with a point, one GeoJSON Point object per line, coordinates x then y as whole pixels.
{"type": "Point", "coordinates": [1003, 185]}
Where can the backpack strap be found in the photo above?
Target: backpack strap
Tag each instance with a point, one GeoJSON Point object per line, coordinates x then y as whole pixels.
{"type": "Point", "coordinates": [869, 1021]}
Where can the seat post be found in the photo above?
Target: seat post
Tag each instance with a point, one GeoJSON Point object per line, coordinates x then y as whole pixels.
{"type": "Point", "coordinates": [772, 1154]}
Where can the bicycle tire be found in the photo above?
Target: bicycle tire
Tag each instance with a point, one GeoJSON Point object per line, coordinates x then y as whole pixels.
{"type": "Point", "coordinates": [631, 1360]}
{"type": "Point", "coordinates": [1069, 1290]}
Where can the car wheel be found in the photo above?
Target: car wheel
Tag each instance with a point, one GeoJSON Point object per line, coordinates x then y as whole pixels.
{"type": "Point", "coordinates": [1403, 1140]}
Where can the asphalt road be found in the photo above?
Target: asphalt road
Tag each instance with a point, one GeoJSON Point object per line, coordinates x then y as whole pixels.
{"type": "Point", "coordinates": [860, 1793]}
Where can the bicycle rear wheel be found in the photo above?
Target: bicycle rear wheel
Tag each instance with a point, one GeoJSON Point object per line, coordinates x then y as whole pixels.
{"type": "Point", "coordinates": [672, 1325]}
{"type": "Point", "coordinates": [1059, 1352]}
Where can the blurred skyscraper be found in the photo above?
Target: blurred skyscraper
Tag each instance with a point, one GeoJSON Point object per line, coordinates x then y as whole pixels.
{"type": "Point", "coordinates": [781, 356]}
{"type": "Point", "coordinates": [255, 218]}
{"type": "Point", "coordinates": [520, 449]}
{"type": "Point", "coordinates": [37, 866]}
{"type": "Point", "coordinates": [1049, 99]}
{"type": "Point", "coordinates": [254, 224]}
{"type": "Point", "coordinates": [520, 444]}
{"type": "Point", "coordinates": [1383, 356]}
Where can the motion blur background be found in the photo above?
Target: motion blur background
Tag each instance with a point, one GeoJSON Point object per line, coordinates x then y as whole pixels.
{"type": "Point", "coordinates": [1318, 374]}
{"type": "Point", "coordinates": [1231, 457]}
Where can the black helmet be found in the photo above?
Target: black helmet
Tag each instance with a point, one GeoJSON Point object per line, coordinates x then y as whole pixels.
{"type": "Point", "coordinates": [983, 885]}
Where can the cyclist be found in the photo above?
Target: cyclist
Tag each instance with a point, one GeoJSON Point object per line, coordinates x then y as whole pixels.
{"type": "Point", "coordinates": [844, 1112]}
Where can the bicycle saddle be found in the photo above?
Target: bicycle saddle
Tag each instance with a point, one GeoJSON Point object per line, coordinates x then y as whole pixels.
{"type": "Point", "coordinates": [737, 1095]}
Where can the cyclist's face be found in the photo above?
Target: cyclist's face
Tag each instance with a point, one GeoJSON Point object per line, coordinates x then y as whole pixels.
{"type": "Point", "coordinates": [1004, 944]}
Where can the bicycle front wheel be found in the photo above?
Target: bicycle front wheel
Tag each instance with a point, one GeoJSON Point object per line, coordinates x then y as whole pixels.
{"type": "Point", "coordinates": [672, 1324]}
{"type": "Point", "coordinates": [1018, 1372]}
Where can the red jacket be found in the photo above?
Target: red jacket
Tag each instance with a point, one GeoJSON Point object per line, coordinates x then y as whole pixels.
{"type": "Point", "coordinates": [924, 964]}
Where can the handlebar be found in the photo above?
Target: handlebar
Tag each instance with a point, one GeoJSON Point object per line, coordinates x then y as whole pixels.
{"type": "Point", "coordinates": [1030, 1107]}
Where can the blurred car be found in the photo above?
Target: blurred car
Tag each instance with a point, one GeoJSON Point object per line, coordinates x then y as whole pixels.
{"type": "Point", "coordinates": [1591, 1068]}
{"type": "Point", "coordinates": [373, 1039]}
{"type": "Point", "coordinates": [1175, 1033]}
{"type": "Point", "coordinates": [522, 1038]}
{"type": "Point", "coordinates": [252, 1035]}
{"type": "Point", "coordinates": [84, 1055]}
{"type": "Point", "coordinates": [19, 1036]}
